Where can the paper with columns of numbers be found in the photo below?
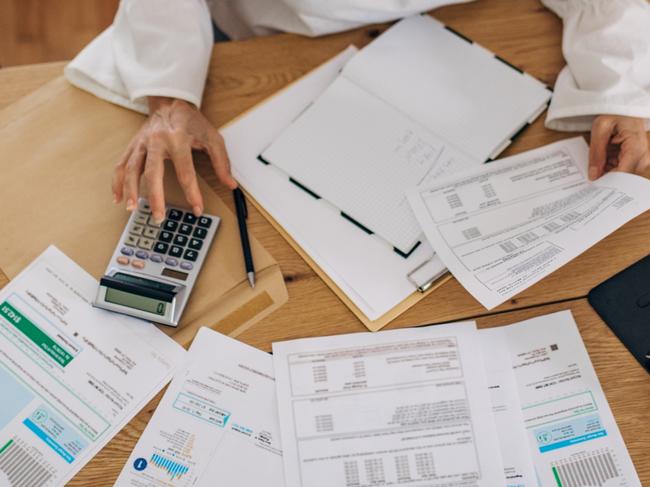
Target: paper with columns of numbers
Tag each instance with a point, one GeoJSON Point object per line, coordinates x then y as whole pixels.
{"type": "Point", "coordinates": [71, 376]}
{"type": "Point", "coordinates": [573, 437]}
{"type": "Point", "coordinates": [384, 408]}
{"type": "Point", "coordinates": [216, 425]}
{"type": "Point", "coordinates": [501, 228]}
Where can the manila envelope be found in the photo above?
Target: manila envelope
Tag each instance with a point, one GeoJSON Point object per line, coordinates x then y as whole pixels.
{"type": "Point", "coordinates": [59, 145]}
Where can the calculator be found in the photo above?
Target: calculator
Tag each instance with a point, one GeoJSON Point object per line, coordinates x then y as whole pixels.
{"type": "Point", "coordinates": [154, 266]}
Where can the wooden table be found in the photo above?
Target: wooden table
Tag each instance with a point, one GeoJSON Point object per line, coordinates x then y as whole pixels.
{"type": "Point", "coordinates": [522, 32]}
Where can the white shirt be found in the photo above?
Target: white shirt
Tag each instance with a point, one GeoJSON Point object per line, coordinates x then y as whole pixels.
{"type": "Point", "coordinates": [162, 48]}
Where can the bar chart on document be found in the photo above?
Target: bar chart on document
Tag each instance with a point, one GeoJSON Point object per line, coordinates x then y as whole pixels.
{"type": "Point", "coordinates": [171, 461]}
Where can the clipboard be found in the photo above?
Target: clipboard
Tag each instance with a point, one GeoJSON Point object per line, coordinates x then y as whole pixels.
{"type": "Point", "coordinates": [427, 285]}
{"type": "Point", "coordinates": [59, 145]}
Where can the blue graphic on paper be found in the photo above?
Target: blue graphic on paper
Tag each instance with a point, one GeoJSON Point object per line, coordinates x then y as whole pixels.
{"type": "Point", "coordinates": [56, 433]}
{"type": "Point", "coordinates": [567, 433]}
{"type": "Point", "coordinates": [140, 464]}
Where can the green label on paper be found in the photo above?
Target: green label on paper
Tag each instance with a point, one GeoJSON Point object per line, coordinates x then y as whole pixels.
{"type": "Point", "coordinates": [6, 445]}
{"type": "Point", "coordinates": [35, 334]}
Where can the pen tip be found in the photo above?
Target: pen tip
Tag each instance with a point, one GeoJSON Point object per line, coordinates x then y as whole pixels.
{"type": "Point", "coordinates": [251, 279]}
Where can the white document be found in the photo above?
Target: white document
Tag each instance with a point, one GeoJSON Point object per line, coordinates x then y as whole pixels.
{"type": "Point", "coordinates": [71, 376]}
{"type": "Point", "coordinates": [417, 102]}
{"type": "Point", "coordinates": [400, 407]}
{"type": "Point", "coordinates": [573, 437]}
{"type": "Point", "coordinates": [518, 467]}
{"type": "Point", "coordinates": [216, 425]}
{"type": "Point", "coordinates": [367, 270]}
{"type": "Point", "coordinates": [503, 227]}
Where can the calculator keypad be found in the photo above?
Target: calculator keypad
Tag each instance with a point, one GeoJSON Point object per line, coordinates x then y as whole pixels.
{"type": "Point", "coordinates": [175, 241]}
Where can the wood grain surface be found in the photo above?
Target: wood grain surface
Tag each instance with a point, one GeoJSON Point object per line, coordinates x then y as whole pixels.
{"type": "Point", "coordinates": [244, 73]}
{"type": "Point", "coordinates": [38, 31]}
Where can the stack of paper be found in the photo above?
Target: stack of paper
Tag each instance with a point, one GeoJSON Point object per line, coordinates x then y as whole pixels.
{"type": "Point", "coordinates": [416, 103]}
{"type": "Point", "coordinates": [448, 405]}
{"type": "Point", "coordinates": [400, 112]}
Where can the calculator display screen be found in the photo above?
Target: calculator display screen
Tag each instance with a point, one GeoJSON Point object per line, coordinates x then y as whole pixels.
{"type": "Point", "coordinates": [130, 300]}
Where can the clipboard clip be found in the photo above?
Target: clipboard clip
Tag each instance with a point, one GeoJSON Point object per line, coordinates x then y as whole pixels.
{"type": "Point", "coordinates": [423, 276]}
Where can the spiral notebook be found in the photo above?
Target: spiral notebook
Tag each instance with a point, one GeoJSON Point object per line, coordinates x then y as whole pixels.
{"type": "Point", "coordinates": [419, 102]}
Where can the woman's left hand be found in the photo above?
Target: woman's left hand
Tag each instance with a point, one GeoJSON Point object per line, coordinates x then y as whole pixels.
{"type": "Point", "coordinates": [618, 143]}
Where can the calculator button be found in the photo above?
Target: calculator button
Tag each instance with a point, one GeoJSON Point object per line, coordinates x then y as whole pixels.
{"type": "Point", "coordinates": [150, 232]}
{"type": "Point", "coordinates": [165, 236]}
{"type": "Point", "coordinates": [123, 260]}
{"type": "Point", "coordinates": [170, 225]}
{"type": "Point", "coordinates": [144, 206]}
{"type": "Point", "coordinates": [136, 230]}
{"type": "Point", "coordinates": [145, 243]}
{"type": "Point", "coordinates": [161, 247]}
{"type": "Point", "coordinates": [175, 215]}
{"type": "Point", "coordinates": [126, 251]}
{"type": "Point", "coordinates": [153, 222]}
{"type": "Point", "coordinates": [186, 266]}
{"type": "Point", "coordinates": [180, 240]}
{"type": "Point", "coordinates": [185, 229]}
{"type": "Point", "coordinates": [200, 232]}
{"type": "Point", "coordinates": [191, 255]}
{"type": "Point", "coordinates": [141, 218]}
{"type": "Point", "coordinates": [131, 240]}
{"type": "Point", "coordinates": [171, 262]}
{"type": "Point", "coordinates": [155, 258]}
{"type": "Point", "coordinates": [205, 222]}
{"type": "Point", "coordinates": [176, 251]}
{"type": "Point", "coordinates": [189, 218]}
{"type": "Point", "coordinates": [141, 254]}
{"type": "Point", "coordinates": [138, 264]}
{"type": "Point", "coordinates": [195, 244]}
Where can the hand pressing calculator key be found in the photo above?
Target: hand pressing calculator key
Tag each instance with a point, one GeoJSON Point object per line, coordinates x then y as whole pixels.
{"type": "Point", "coordinates": [154, 267]}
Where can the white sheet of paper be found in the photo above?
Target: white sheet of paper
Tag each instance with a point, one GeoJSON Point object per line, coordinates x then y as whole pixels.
{"type": "Point", "coordinates": [503, 227]}
{"type": "Point", "coordinates": [572, 433]}
{"type": "Point", "coordinates": [216, 425]}
{"type": "Point", "coordinates": [378, 408]}
{"type": "Point", "coordinates": [367, 270]}
{"type": "Point", "coordinates": [71, 375]}
{"type": "Point", "coordinates": [518, 467]}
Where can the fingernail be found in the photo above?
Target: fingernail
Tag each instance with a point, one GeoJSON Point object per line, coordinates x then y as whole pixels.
{"type": "Point", "coordinates": [197, 210]}
{"type": "Point", "coordinates": [130, 205]}
{"type": "Point", "coordinates": [593, 173]}
{"type": "Point", "coordinates": [115, 200]}
{"type": "Point", "coordinates": [158, 219]}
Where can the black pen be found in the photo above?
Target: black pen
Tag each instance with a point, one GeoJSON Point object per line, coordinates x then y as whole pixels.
{"type": "Point", "coordinates": [242, 214]}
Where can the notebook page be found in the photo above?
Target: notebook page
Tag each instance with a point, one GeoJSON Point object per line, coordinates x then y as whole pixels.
{"type": "Point", "coordinates": [455, 88]}
{"type": "Point", "coordinates": [360, 154]}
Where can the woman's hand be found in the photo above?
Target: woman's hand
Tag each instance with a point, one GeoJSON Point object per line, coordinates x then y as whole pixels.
{"type": "Point", "coordinates": [173, 129]}
{"type": "Point", "coordinates": [618, 143]}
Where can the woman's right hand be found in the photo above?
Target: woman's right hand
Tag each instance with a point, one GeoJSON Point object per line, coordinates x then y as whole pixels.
{"type": "Point", "coordinates": [174, 128]}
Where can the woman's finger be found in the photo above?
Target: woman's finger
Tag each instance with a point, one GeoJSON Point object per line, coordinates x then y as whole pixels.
{"type": "Point", "coordinates": [132, 174]}
{"type": "Point", "coordinates": [181, 157]}
{"type": "Point", "coordinates": [601, 132]}
{"type": "Point", "coordinates": [154, 173]}
{"type": "Point", "coordinates": [118, 173]}
{"type": "Point", "coordinates": [220, 161]}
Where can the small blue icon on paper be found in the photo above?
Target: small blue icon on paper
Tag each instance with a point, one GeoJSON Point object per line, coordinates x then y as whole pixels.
{"type": "Point", "coordinates": [140, 464]}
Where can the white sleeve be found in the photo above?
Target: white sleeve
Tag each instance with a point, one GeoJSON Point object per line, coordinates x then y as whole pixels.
{"type": "Point", "coordinates": [606, 45]}
{"type": "Point", "coordinates": [153, 48]}
{"type": "Point", "coordinates": [318, 17]}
